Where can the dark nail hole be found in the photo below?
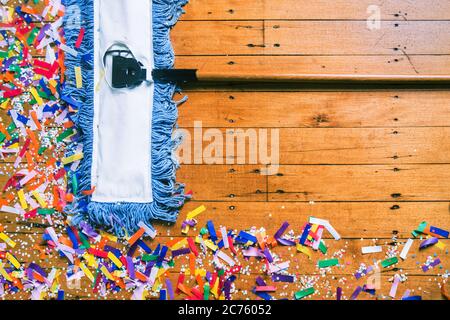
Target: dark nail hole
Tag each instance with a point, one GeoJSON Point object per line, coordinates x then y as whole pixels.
{"type": "Point", "coordinates": [396, 195]}
{"type": "Point", "coordinates": [231, 195]}
{"type": "Point", "coordinates": [231, 97]}
{"type": "Point", "coordinates": [231, 63]}
{"type": "Point", "coordinates": [232, 208]}
{"type": "Point", "coordinates": [280, 191]}
{"type": "Point", "coordinates": [395, 207]}
{"type": "Point", "coordinates": [277, 45]}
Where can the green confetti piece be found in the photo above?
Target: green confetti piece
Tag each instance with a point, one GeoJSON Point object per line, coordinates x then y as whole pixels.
{"type": "Point", "coordinates": [203, 231]}
{"type": "Point", "coordinates": [42, 150]}
{"type": "Point", "coordinates": [32, 36]}
{"type": "Point", "coordinates": [206, 291]}
{"type": "Point", "coordinates": [74, 184]}
{"type": "Point", "coordinates": [389, 262]}
{"type": "Point", "coordinates": [323, 248]}
{"type": "Point", "coordinates": [221, 272]}
{"type": "Point", "coordinates": [65, 135]}
{"type": "Point", "coordinates": [2, 137]}
{"type": "Point", "coordinates": [11, 128]}
{"type": "Point", "coordinates": [84, 240]}
{"type": "Point", "coordinates": [3, 54]}
{"type": "Point", "coordinates": [46, 212]}
{"type": "Point", "coordinates": [149, 257]}
{"type": "Point", "coordinates": [328, 263]}
{"type": "Point", "coordinates": [97, 272]}
{"type": "Point", "coordinates": [304, 293]}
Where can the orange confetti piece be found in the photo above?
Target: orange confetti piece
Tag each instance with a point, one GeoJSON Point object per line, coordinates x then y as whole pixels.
{"type": "Point", "coordinates": [136, 236]}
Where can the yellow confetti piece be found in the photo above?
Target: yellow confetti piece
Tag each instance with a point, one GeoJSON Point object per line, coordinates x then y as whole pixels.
{"type": "Point", "coordinates": [39, 199]}
{"type": "Point", "coordinates": [4, 105]}
{"type": "Point", "coordinates": [13, 260]}
{"type": "Point", "coordinates": [185, 230]}
{"type": "Point", "coordinates": [90, 259]}
{"type": "Point", "coordinates": [107, 273]}
{"type": "Point", "coordinates": [87, 272]}
{"type": "Point", "coordinates": [5, 274]}
{"type": "Point", "coordinates": [53, 83]}
{"type": "Point", "coordinates": [180, 244]}
{"type": "Point", "coordinates": [7, 240]}
{"type": "Point", "coordinates": [215, 289]}
{"type": "Point", "coordinates": [114, 259]}
{"type": "Point", "coordinates": [191, 215]}
{"type": "Point", "coordinates": [23, 202]}
{"type": "Point", "coordinates": [314, 228]}
{"type": "Point", "coordinates": [156, 286]}
{"type": "Point", "coordinates": [200, 272]}
{"type": "Point", "coordinates": [73, 158]}
{"type": "Point", "coordinates": [108, 236]}
{"type": "Point", "coordinates": [304, 250]}
{"type": "Point", "coordinates": [36, 96]}
{"type": "Point", "coordinates": [78, 77]}
{"type": "Point", "coordinates": [161, 272]}
{"type": "Point", "coordinates": [14, 146]}
{"type": "Point", "coordinates": [211, 245]}
{"type": "Point", "coordinates": [440, 245]}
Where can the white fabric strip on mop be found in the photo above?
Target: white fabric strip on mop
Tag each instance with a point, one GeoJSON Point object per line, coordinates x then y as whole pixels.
{"type": "Point", "coordinates": [121, 159]}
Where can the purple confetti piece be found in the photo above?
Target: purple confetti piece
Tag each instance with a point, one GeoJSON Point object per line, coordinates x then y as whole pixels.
{"type": "Point", "coordinates": [268, 255]}
{"type": "Point", "coordinates": [338, 293]}
{"type": "Point", "coordinates": [428, 243]}
{"type": "Point", "coordinates": [282, 278]}
{"type": "Point", "coordinates": [285, 242]}
{"type": "Point", "coordinates": [280, 231]}
{"type": "Point", "coordinates": [130, 267]}
{"type": "Point", "coordinates": [170, 289]}
{"type": "Point", "coordinates": [356, 293]}
{"type": "Point", "coordinates": [260, 282]}
{"type": "Point", "coordinates": [180, 252]}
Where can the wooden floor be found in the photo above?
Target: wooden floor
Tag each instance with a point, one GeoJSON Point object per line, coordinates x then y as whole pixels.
{"type": "Point", "coordinates": [373, 161]}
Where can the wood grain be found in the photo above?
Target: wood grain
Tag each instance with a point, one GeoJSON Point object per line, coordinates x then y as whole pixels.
{"type": "Point", "coordinates": [332, 64]}
{"type": "Point", "coordinates": [321, 10]}
{"type": "Point", "coordinates": [324, 146]}
{"type": "Point", "coordinates": [361, 109]}
{"type": "Point", "coordinates": [353, 37]}
{"type": "Point", "coordinates": [361, 183]}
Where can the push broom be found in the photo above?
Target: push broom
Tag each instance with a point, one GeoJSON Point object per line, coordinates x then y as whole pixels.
{"type": "Point", "coordinates": [126, 113]}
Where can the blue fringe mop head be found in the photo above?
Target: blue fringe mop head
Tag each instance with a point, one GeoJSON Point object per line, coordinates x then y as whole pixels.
{"type": "Point", "coordinates": [127, 174]}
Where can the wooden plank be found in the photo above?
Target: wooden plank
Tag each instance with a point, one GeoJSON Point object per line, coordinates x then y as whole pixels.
{"type": "Point", "coordinates": [353, 220]}
{"type": "Point", "coordinates": [363, 146]}
{"type": "Point", "coordinates": [316, 109]}
{"type": "Point", "coordinates": [318, 10]}
{"type": "Point", "coordinates": [218, 37]}
{"type": "Point", "coordinates": [219, 183]}
{"type": "Point", "coordinates": [390, 64]}
{"type": "Point", "coordinates": [310, 38]}
{"type": "Point", "coordinates": [360, 183]}
{"type": "Point", "coordinates": [318, 145]}
{"type": "Point", "coordinates": [426, 286]}
{"type": "Point", "coordinates": [352, 257]}
{"type": "Point", "coordinates": [353, 37]}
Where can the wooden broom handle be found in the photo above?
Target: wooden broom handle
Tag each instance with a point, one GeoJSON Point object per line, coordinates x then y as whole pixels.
{"type": "Point", "coordinates": [283, 77]}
